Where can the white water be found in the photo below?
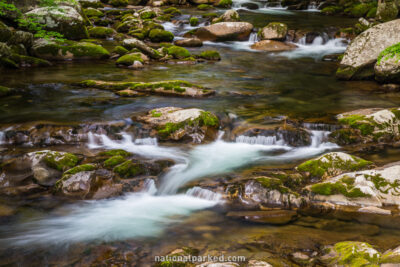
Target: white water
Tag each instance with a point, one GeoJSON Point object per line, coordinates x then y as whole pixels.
{"type": "Point", "coordinates": [148, 213]}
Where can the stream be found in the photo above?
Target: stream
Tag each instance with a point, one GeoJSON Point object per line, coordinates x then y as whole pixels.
{"type": "Point", "coordinates": [252, 87]}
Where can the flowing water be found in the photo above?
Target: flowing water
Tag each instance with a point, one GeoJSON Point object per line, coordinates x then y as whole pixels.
{"type": "Point", "coordinates": [251, 86]}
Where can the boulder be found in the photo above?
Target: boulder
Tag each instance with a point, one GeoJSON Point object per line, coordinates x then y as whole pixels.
{"type": "Point", "coordinates": [91, 3]}
{"type": "Point", "coordinates": [273, 46]}
{"type": "Point", "coordinates": [189, 42]}
{"type": "Point", "coordinates": [129, 59]}
{"type": "Point", "coordinates": [101, 32]}
{"type": "Point", "coordinates": [274, 31]}
{"type": "Point", "coordinates": [5, 32]}
{"type": "Point", "coordinates": [363, 51]}
{"type": "Point", "coordinates": [63, 19]}
{"type": "Point", "coordinates": [387, 67]}
{"type": "Point", "coordinates": [177, 123]}
{"type": "Point", "coordinates": [368, 125]}
{"type": "Point", "coordinates": [21, 37]}
{"type": "Point", "coordinates": [387, 10]}
{"type": "Point", "coordinates": [225, 31]}
{"type": "Point", "coordinates": [377, 187]}
{"type": "Point", "coordinates": [229, 16]}
{"type": "Point", "coordinates": [333, 164]}
{"type": "Point", "coordinates": [68, 50]}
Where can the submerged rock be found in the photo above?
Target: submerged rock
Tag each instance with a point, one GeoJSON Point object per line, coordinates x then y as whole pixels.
{"type": "Point", "coordinates": [273, 46]}
{"type": "Point", "coordinates": [276, 217]}
{"type": "Point", "coordinates": [177, 123]}
{"type": "Point", "coordinates": [363, 52]}
{"type": "Point", "coordinates": [189, 42]}
{"type": "Point", "coordinates": [333, 164]}
{"type": "Point", "coordinates": [173, 88]}
{"type": "Point", "coordinates": [368, 125]}
{"type": "Point", "coordinates": [225, 31]}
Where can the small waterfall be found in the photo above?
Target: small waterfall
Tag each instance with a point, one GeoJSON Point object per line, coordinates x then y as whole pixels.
{"type": "Point", "coordinates": [253, 37]}
{"type": "Point", "coordinates": [260, 140]}
{"type": "Point", "coordinates": [204, 194]}
{"type": "Point", "coordinates": [312, 6]}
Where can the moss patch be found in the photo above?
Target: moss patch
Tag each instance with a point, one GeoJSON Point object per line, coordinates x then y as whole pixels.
{"type": "Point", "coordinates": [129, 59]}
{"type": "Point", "coordinates": [60, 161]}
{"type": "Point", "coordinates": [158, 35]}
{"type": "Point", "coordinates": [273, 183]}
{"type": "Point", "coordinates": [81, 168]}
{"type": "Point", "coordinates": [224, 3]}
{"type": "Point", "coordinates": [194, 21]}
{"type": "Point", "coordinates": [178, 52]}
{"type": "Point", "coordinates": [114, 161]}
{"type": "Point", "coordinates": [343, 187]}
{"type": "Point", "coordinates": [389, 53]}
{"type": "Point", "coordinates": [128, 169]}
{"type": "Point", "coordinates": [101, 32]}
{"type": "Point", "coordinates": [115, 152]}
{"type": "Point", "coordinates": [356, 254]}
{"type": "Point", "coordinates": [210, 55]}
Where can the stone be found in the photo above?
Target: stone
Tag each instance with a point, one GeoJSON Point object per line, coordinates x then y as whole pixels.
{"type": "Point", "coordinates": [387, 10]}
{"type": "Point", "coordinates": [5, 32]}
{"type": "Point", "coordinates": [230, 16]}
{"type": "Point", "coordinates": [225, 31]}
{"type": "Point", "coordinates": [63, 19]}
{"type": "Point", "coordinates": [189, 42]}
{"type": "Point", "coordinates": [362, 53]}
{"type": "Point", "coordinates": [145, 49]}
{"type": "Point", "coordinates": [387, 67]}
{"type": "Point", "coordinates": [274, 31]}
{"type": "Point", "coordinates": [273, 46]}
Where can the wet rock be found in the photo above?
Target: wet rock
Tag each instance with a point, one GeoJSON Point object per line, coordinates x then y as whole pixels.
{"type": "Point", "coordinates": [101, 32]}
{"type": "Point", "coordinates": [387, 67]}
{"type": "Point", "coordinates": [57, 50]}
{"type": "Point", "coordinates": [21, 37]}
{"type": "Point", "coordinates": [273, 31]}
{"type": "Point", "coordinates": [351, 253]}
{"type": "Point", "coordinates": [5, 32]}
{"type": "Point", "coordinates": [276, 217]}
{"type": "Point", "coordinates": [368, 125]}
{"type": "Point", "coordinates": [270, 192]}
{"type": "Point", "coordinates": [173, 88]}
{"type": "Point", "coordinates": [225, 31]}
{"type": "Point", "coordinates": [15, 171]}
{"type": "Point", "coordinates": [363, 52]}
{"type": "Point", "coordinates": [22, 191]}
{"type": "Point", "coordinates": [229, 16]}
{"type": "Point", "coordinates": [189, 42]}
{"type": "Point", "coordinates": [390, 258]}
{"type": "Point", "coordinates": [177, 123]}
{"type": "Point", "coordinates": [273, 46]}
{"type": "Point", "coordinates": [332, 164]}
{"type": "Point", "coordinates": [145, 49]}
{"type": "Point", "coordinates": [387, 10]}
{"type": "Point", "coordinates": [377, 187]}
{"type": "Point", "coordinates": [63, 19]}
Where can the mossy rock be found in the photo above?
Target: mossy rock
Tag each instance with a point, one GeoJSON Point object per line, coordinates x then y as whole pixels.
{"type": "Point", "coordinates": [173, 11]}
{"type": "Point", "coordinates": [345, 187]}
{"type": "Point", "coordinates": [115, 152]}
{"type": "Point", "coordinates": [224, 3]}
{"type": "Point", "coordinates": [119, 3]}
{"type": "Point", "coordinates": [178, 52]}
{"type": "Point", "coordinates": [114, 161]}
{"type": "Point", "coordinates": [129, 59]}
{"type": "Point", "coordinates": [333, 164]}
{"type": "Point", "coordinates": [148, 14]}
{"type": "Point", "coordinates": [273, 184]}
{"type": "Point", "coordinates": [359, 10]}
{"type": "Point", "coordinates": [81, 168]}
{"type": "Point", "coordinates": [101, 32]}
{"type": "Point", "coordinates": [331, 10]}
{"type": "Point", "coordinates": [5, 32]}
{"type": "Point", "coordinates": [29, 61]}
{"type": "Point", "coordinates": [5, 91]}
{"type": "Point", "coordinates": [204, 7]}
{"type": "Point", "coordinates": [372, 12]}
{"type": "Point", "coordinates": [209, 15]}
{"type": "Point", "coordinates": [120, 50]}
{"type": "Point", "coordinates": [387, 10]}
{"type": "Point", "coordinates": [194, 21]}
{"type": "Point", "coordinates": [128, 169]}
{"type": "Point", "coordinates": [91, 12]}
{"type": "Point", "coordinates": [158, 35]}
{"type": "Point", "coordinates": [210, 55]}
{"type": "Point", "coordinates": [60, 161]}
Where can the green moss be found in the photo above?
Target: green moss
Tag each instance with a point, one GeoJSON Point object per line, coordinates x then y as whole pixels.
{"type": "Point", "coordinates": [148, 14]}
{"type": "Point", "coordinates": [128, 169]}
{"type": "Point", "coordinates": [210, 15]}
{"type": "Point", "coordinates": [389, 53]}
{"type": "Point", "coordinates": [119, 3]}
{"type": "Point", "coordinates": [194, 21]}
{"type": "Point", "coordinates": [173, 11]}
{"type": "Point", "coordinates": [115, 152]}
{"type": "Point", "coordinates": [336, 188]}
{"type": "Point", "coordinates": [365, 125]}
{"type": "Point", "coordinates": [5, 91]}
{"type": "Point", "coordinates": [396, 112]}
{"type": "Point", "coordinates": [32, 61]}
{"type": "Point", "coordinates": [60, 161]}
{"type": "Point", "coordinates": [129, 59]}
{"type": "Point", "coordinates": [81, 168]}
{"type": "Point", "coordinates": [165, 17]}
{"type": "Point", "coordinates": [101, 32]}
{"type": "Point", "coordinates": [156, 114]}
{"type": "Point", "coordinates": [224, 3]}
{"type": "Point", "coordinates": [330, 165]}
{"type": "Point", "coordinates": [114, 161]}
{"type": "Point", "coordinates": [273, 183]}
{"type": "Point", "coordinates": [178, 52]}
{"type": "Point", "coordinates": [331, 10]}
{"type": "Point", "coordinates": [355, 254]}
{"type": "Point", "coordinates": [91, 12]}
{"type": "Point", "coordinates": [208, 119]}
{"type": "Point", "coordinates": [204, 7]}
{"type": "Point", "coordinates": [120, 50]}
{"type": "Point", "coordinates": [210, 55]}
{"type": "Point", "coordinates": [346, 73]}
{"type": "Point", "coordinates": [158, 35]}
{"type": "Point", "coordinates": [359, 10]}
{"type": "Point", "coordinates": [372, 13]}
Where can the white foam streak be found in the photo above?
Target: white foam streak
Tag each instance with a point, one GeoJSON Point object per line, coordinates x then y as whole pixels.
{"type": "Point", "coordinates": [317, 49]}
